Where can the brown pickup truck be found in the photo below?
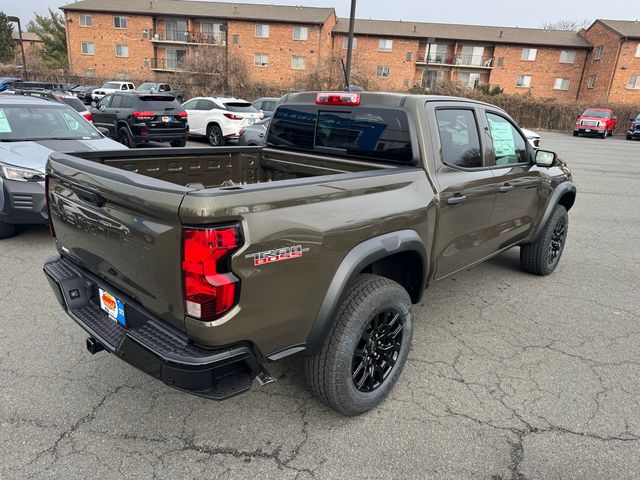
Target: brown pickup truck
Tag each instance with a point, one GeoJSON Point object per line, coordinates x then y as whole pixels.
{"type": "Point", "coordinates": [202, 266]}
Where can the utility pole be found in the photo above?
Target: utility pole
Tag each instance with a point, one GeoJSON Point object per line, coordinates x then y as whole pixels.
{"type": "Point", "coordinates": [24, 59]}
{"type": "Point", "coordinates": [352, 20]}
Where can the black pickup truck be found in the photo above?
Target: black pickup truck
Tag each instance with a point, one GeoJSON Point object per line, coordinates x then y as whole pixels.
{"type": "Point", "coordinates": [202, 266]}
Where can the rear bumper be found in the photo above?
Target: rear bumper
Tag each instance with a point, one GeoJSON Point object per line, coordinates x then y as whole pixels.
{"type": "Point", "coordinates": [148, 343]}
{"type": "Point", "coordinates": [22, 202]}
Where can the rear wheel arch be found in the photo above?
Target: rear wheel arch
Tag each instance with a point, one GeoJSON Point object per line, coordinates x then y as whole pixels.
{"type": "Point", "coordinates": [399, 256]}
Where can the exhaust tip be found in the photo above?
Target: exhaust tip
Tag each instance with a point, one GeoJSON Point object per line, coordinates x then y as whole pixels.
{"type": "Point", "coordinates": [93, 346]}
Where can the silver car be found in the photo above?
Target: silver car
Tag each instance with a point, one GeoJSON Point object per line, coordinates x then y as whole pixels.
{"type": "Point", "coordinates": [253, 135]}
{"type": "Point", "coordinates": [30, 129]}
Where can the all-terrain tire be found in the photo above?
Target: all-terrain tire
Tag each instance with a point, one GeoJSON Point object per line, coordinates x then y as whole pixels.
{"type": "Point", "coordinates": [332, 372]}
{"type": "Point", "coordinates": [7, 230]}
{"type": "Point", "coordinates": [542, 256]}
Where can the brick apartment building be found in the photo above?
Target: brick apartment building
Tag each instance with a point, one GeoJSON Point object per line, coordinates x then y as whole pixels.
{"type": "Point", "coordinates": [280, 44]}
{"type": "Point", "coordinates": [29, 40]}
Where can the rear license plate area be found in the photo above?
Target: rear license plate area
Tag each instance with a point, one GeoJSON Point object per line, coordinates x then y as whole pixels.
{"type": "Point", "coordinates": [112, 306]}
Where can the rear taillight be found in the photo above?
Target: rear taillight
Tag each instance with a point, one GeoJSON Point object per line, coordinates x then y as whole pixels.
{"type": "Point", "coordinates": [88, 116]}
{"type": "Point", "coordinates": [338, 98]}
{"type": "Point", "coordinates": [46, 196]}
{"type": "Point", "coordinates": [143, 115]}
{"type": "Point", "coordinates": [210, 288]}
{"type": "Point", "coordinates": [231, 116]}
{"type": "Point", "coordinates": [183, 114]}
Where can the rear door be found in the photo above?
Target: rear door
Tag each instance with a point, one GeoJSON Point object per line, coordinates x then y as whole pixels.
{"type": "Point", "coordinates": [517, 180]}
{"type": "Point", "coordinates": [101, 115]}
{"type": "Point", "coordinates": [467, 187]}
{"type": "Point", "coordinates": [122, 227]}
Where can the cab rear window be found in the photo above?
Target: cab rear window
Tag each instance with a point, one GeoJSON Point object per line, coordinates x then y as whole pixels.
{"type": "Point", "coordinates": [373, 133]}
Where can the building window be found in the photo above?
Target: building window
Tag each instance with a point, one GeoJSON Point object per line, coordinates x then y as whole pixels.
{"type": "Point", "coordinates": [523, 81]}
{"type": "Point", "coordinates": [90, 72]}
{"type": "Point", "coordinates": [382, 71]}
{"type": "Point", "coordinates": [385, 45]}
{"type": "Point", "coordinates": [87, 48]}
{"type": "Point", "coordinates": [597, 53]}
{"type": "Point", "coordinates": [86, 20]}
{"type": "Point", "coordinates": [592, 81]}
{"type": "Point", "coordinates": [261, 60]}
{"type": "Point", "coordinates": [122, 50]}
{"type": "Point", "coordinates": [236, 39]}
{"type": "Point", "coordinates": [120, 22]}
{"type": "Point", "coordinates": [298, 63]}
{"type": "Point", "coordinates": [345, 43]}
{"type": "Point", "coordinates": [300, 33]}
{"type": "Point", "coordinates": [409, 56]}
{"type": "Point", "coordinates": [634, 82]}
{"type": "Point", "coordinates": [122, 75]}
{"type": "Point", "coordinates": [262, 31]}
{"type": "Point", "coordinates": [146, 63]}
{"type": "Point", "coordinates": [405, 82]}
{"type": "Point", "coordinates": [500, 61]}
{"type": "Point", "coordinates": [568, 56]}
{"type": "Point", "coordinates": [529, 54]}
{"type": "Point", "coordinates": [561, 84]}
{"type": "Point", "coordinates": [638, 51]}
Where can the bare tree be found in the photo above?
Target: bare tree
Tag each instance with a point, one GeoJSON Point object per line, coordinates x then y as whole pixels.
{"type": "Point", "coordinates": [567, 25]}
{"type": "Point", "coordinates": [329, 75]}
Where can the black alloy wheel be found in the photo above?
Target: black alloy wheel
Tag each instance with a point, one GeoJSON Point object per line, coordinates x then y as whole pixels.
{"type": "Point", "coordinates": [557, 242]}
{"type": "Point", "coordinates": [377, 351]}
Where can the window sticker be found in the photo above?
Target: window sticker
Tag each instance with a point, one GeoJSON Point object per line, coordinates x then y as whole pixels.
{"type": "Point", "coordinates": [503, 143]}
{"type": "Point", "coordinates": [4, 123]}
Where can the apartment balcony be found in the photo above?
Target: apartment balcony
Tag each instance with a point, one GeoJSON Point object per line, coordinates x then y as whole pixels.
{"type": "Point", "coordinates": [184, 37]}
{"type": "Point", "coordinates": [462, 61]}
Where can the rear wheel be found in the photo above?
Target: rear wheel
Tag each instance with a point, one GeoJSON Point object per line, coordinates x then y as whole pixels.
{"type": "Point", "coordinates": [214, 136]}
{"type": "Point", "coordinates": [542, 256]}
{"type": "Point", "coordinates": [125, 138]}
{"type": "Point", "coordinates": [7, 230]}
{"type": "Point", "coordinates": [179, 143]}
{"type": "Point", "coordinates": [363, 355]}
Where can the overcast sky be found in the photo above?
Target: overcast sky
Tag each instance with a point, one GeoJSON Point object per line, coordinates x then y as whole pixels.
{"type": "Point", "coordinates": [481, 12]}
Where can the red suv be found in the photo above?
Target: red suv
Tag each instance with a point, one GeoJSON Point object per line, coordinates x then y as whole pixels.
{"type": "Point", "coordinates": [596, 121]}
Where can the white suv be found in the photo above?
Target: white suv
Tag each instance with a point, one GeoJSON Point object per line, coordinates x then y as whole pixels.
{"type": "Point", "coordinates": [219, 119]}
{"type": "Point", "coordinates": [111, 87]}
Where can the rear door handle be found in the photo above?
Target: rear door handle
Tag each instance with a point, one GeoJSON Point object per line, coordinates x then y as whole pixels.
{"type": "Point", "coordinates": [507, 187]}
{"type": "Point", "coordinates": [457, 199]}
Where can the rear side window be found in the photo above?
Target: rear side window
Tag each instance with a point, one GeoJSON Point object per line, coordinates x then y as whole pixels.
{"type": "Point", "coordinates": [268, 105]}
{"type": "Point", "coordinates": [371, 133]}
{"type": "Point", "coordinates": [243, 107]}
{"type": "Point", "coordinates": [116, 102]}
{"type": "Point", "coordinates": [459, 140]}
{"type": "Point", "coordinates": [205, 105]}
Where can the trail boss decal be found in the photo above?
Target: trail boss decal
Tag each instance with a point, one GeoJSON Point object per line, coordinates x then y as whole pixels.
{"type": "Point", "coordinates": [277, 255]}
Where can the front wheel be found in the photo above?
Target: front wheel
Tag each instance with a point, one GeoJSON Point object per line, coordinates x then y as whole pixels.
{"type": "Point", "coordinates": [629, 137]}
{"type": "Point", "coordinates": [364, 353]}
{"type": "Point", "coordinates": [214, 136]}
{"type": "Point", "coordinates": [542, 256]}
{"type": "Point", "coordinates": [7, 230]}
{"type": "Point", "coordinates": [575, 134]}
{"type": "Point", "coordinates": [603, 135]}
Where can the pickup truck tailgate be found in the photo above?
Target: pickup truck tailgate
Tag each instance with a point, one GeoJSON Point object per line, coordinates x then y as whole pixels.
{"type": "Point", "coordinates": [122, 227]}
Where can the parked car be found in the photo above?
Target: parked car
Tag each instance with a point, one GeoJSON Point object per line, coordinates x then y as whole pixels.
{"type": "Point", "coordinates": [111, 87]}
{"type": "Point", "coordinates": [135, 118]}
{"type": "Point", "coordinates": [83, 92]}
{"type": "Point", "coordinates": [152, 87]}
{"type": "Point", "coordinates": [255, 134]}
{"type": "Point", "coordinates": [633, 131]}
{"type": "Point", "coordinates": [265, 105]}
{"type": "Point", "coordinates": [219, 119]}
{"type": "Point", "coordinates": [596, 121]}
{"type": "Point", "coordinates": [30, 129]}
{"type": "Point", "coordinates": [216, 262]}
{"type": "Point", "coordinates": [5, 82]}
{"type": "Point", "coordinates": [34, 85]}
{"type": "Point", "coordinates": [62, 97]}
{"type": "Point", "coordinates": [532, 137]}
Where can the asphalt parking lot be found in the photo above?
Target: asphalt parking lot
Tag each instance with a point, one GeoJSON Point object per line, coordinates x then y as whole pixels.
{"type": "Point", "coordinates": [511, 376]}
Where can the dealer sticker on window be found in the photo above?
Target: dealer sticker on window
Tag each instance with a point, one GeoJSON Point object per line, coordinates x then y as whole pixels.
{"type": "Point", "coordinates": [113, 306]}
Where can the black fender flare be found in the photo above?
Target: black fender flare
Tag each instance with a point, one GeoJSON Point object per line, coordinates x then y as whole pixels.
{"type": "Point", "coordinates": [554, 199]}
{"type": "Point", "coordinates": [352, 264]}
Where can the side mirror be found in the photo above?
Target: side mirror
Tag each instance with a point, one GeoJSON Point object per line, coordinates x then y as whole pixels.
{"type": "Point", "coordinates": [103, 131]}
{"type": "Point", "coordinates": [102, 108]}
{"type": "Point", "coordinates": [545, 158]}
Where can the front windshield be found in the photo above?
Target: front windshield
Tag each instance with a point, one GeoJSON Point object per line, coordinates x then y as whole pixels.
{"type": "Point", "coordinates": [596, 114]}
{"type": "Point", "coordinates": [43, 122]}
{"type": "Point", "coordinates": [111, 85]}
